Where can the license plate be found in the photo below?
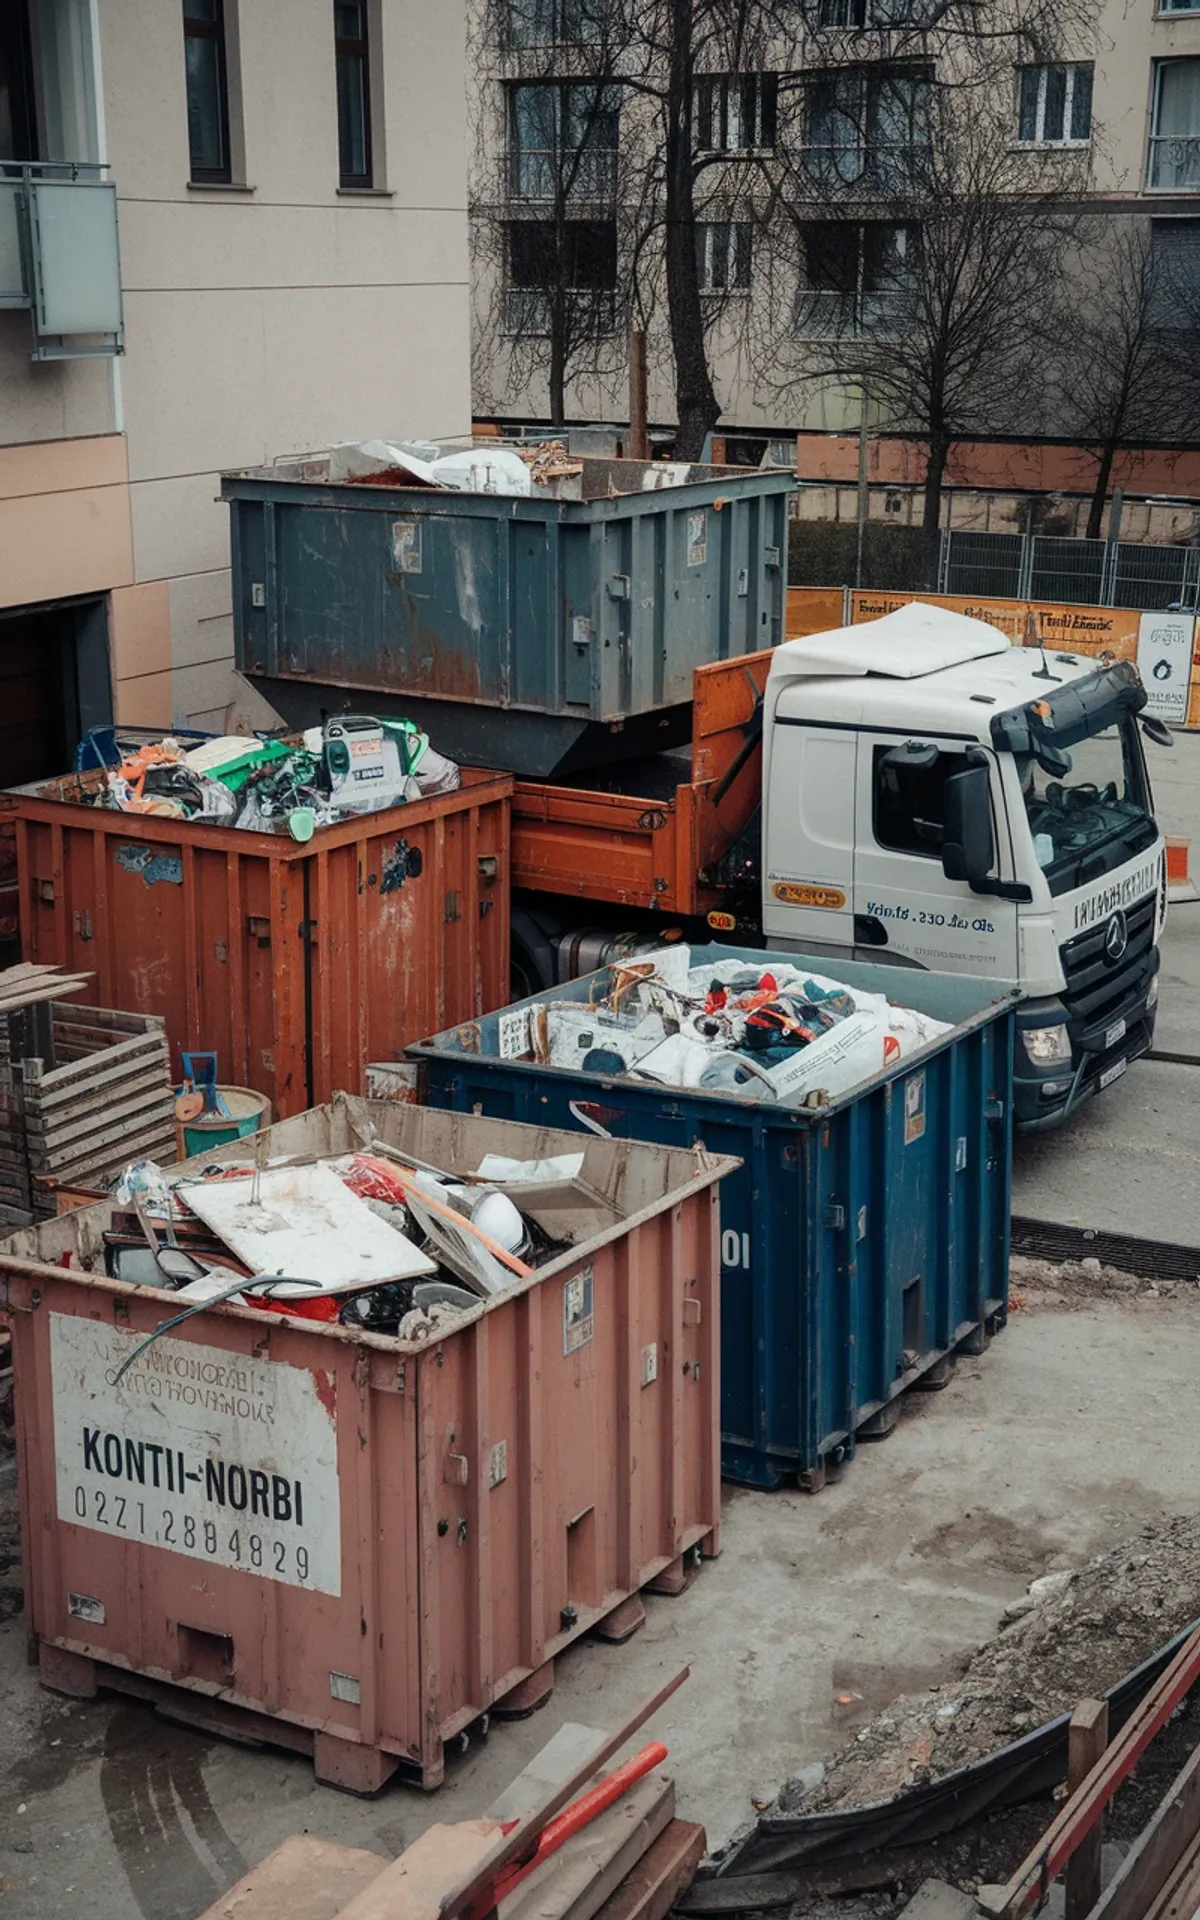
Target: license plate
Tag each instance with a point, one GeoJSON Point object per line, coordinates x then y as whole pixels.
{"type": "Point", "coordinates": [1113, 1073]}
{"type": "Point", "coordinates": [1115, 1032]}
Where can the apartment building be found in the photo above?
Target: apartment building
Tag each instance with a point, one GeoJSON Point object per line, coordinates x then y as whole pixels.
{"type": "Point", "coordinates": [835, 112]}
{"type": "Point", "coordinates": [229, 230]}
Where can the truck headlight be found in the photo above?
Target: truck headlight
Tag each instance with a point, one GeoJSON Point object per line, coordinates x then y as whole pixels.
{"type": "Point", "coordinates": [1047, 1046]}
{"type": "Point", "coordinates": [1152, 994]}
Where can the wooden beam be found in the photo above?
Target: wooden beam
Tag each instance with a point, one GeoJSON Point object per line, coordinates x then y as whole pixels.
{"type": "Point", "coordinates": [1151, 1861]}
{"type": "Point", "coordinates": [658, 1881]}
{"type": "Point", "coordinates": [521, 1841]}
{"type": "Point", "coordinates": [1086, 1740]}
{"type": "Point", "coordinates": [1084, 1807]}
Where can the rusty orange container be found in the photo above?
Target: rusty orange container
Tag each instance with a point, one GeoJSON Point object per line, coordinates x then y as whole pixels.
{"type": "Point", "coordinates": [349, 1544]}
{"type": "Point", "coordinates": [296, 964]}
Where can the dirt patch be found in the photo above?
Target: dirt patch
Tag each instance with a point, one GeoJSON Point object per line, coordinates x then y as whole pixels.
{"type": "Point", "coordinates": [1037, 1284]}
{"type": "Point", "coordinates": [1073, 1636]}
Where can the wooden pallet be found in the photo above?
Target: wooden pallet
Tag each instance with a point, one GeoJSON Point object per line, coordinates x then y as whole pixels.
{"type": "Point", "coordinates": [97, 1095]}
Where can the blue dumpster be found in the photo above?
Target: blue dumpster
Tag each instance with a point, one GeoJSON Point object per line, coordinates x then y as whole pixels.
{"type": "Point", "coordinates": [861, 1242]}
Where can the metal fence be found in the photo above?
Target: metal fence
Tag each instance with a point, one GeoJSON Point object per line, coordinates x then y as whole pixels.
{"type": "Point", "coordinates": [1100, 573]}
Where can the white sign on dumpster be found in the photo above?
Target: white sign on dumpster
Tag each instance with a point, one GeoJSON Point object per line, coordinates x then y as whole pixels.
{"type": "Point", "coordinates": [1164, 661]}
{"type": "Point", "coordinates": [198, 1451]}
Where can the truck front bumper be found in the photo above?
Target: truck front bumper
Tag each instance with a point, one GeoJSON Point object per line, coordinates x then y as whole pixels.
{"type": "Point", "coordinates": [1045, 1095]}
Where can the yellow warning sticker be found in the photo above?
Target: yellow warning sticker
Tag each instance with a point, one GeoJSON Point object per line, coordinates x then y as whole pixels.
{"type": "Point", "coordinates": [797, 893]}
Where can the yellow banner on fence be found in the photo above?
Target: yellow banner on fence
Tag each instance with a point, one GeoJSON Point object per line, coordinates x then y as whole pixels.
{"type": "Point", "coordinates": [1068, 629]}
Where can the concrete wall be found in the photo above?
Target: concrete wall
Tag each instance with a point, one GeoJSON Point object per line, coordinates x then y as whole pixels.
{"type": "Point", "coordinates": [283, 313]}
{"type": "Point", "coordinates": [272, 316]}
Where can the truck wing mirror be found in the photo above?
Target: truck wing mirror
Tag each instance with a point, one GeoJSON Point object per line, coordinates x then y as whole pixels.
{"type": "Point", "coordinates": [969, 848]}
{"type": "Point", "coordinates": [1158, 731]}
{"type": "Point", "coordinates": [915, 756]}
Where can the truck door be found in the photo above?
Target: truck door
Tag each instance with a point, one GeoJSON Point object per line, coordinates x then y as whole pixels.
{"type": "Point", "coordinates": [904, 906]}
{"type": "Point", "coordinates": [808, 858]}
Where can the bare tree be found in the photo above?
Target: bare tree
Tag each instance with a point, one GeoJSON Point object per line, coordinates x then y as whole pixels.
{"type": "Point", "coordinates": [925, 289]}
{"type": "Point", "coordinates": [548, 201]}
{"type": "Point", "coordinates": [1127, 351]}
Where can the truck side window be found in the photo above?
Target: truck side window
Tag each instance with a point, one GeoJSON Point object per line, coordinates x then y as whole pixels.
{"type": "Point", "coordinates": [909, 802]}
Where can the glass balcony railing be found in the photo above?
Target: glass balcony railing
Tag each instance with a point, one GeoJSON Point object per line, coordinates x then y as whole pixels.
{"type": "Point", "coordinates": [59, 256]}
{"type": "Point", "coordinates": [1174, 165]}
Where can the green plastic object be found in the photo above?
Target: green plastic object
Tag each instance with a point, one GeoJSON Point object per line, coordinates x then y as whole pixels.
{"type": "Point", "coordinates": [302, 824]}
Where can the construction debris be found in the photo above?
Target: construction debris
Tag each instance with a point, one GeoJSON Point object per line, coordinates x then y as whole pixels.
{"type": "Point", "coordinates": [353, 764]}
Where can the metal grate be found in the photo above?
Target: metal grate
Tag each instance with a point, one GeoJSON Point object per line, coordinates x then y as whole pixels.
{"type": "Point", "coordinates": [1150, 1259]}
{"type": "Point", "coordinates": [1067, 570]}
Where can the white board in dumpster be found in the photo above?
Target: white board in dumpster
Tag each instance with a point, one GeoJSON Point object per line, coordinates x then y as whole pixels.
{"type": "Point", "coordinates": [212, 1455]}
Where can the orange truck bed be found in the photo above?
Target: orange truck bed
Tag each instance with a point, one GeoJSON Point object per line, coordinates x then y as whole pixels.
{"type": "Point", "coordinates": [590, 845]}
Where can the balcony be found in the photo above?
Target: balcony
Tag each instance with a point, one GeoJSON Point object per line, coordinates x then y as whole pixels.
{"type": "Point", "coordinates": [872, 167]}
{"type": "Point", "coordinates": [59, 257]}
{"type": "Point", "coordinates": [827, 314]}
{"type": "Point", "coordinates": [589, 313]}
{"type": "Point", "coordinates": [589, 175]}
{"type": "Point", "coordinates": [1174, 164]}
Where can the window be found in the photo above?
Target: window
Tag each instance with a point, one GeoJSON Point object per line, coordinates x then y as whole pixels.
{"type": "Point", "coordinates": [858, 277]}
{"type": "Point", "coordinates": [574, 262]}
{"type": "Point", "coordinates": [736, 112]}
{"type": "Point", "coordinates": [564, 23]}
{"type": "Point", "coordinates": [1179, 6]}
{"type": "Point", "coordinates": [207, 89]}
{"type": "Point", "coordinates": [1175, 141]}
{"type": "Point", "coordinates": [910, 801]}
{"type": "Point", "coordinates": [563, 140]}
{"type": "Point", "coordinates": [1175, 283]}
{"type": "Point", "coordinates": [723, 255]}
{"type": "Point", "coordinates": [353, 93]}
{"type": "Point", "coordinates": [18, 119]}
{"type": "Point", "coordinates": [1054, 106]}
{"type": "Point", "coordinates": [867, 124]}
{"type": "Point", "coordinates": [876, 13]}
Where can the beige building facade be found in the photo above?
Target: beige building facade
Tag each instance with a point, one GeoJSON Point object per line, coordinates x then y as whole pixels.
{"type": "Point", "coordinates": [1118, 101]}
{"type": "Point", "coordinates": [229, 230]}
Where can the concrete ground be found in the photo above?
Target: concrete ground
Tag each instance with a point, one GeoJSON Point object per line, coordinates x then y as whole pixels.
{"type": "Point", "coordinates": [1038, 1454]}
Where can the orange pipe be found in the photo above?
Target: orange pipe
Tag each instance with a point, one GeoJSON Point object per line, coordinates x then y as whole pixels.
{"type": "Point", "coordinates": [581, 1813]}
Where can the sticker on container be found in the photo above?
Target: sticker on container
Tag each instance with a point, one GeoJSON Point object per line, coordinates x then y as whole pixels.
{"type": "Point", "coordinates": [85, 1606]}
{"type": "Point", "coordinates": [513, 1034]}
{"type": "Point", "coordinates": [406, 546]}
{"type": "Point", "coordinates": [579, 1323]}
{"type": "Point", "coordinates": [201, 1452]}
{"type": "Point", "coordinates": [799, 893]}
{"type": "Point", "coordinates": [345, 1686]}
{"type": "Point", "coordinates": [697, 539]}
{"type": "Point", "coordinates": [152, 867]}
{"type": "Point", "coordinates": [914, 1107]}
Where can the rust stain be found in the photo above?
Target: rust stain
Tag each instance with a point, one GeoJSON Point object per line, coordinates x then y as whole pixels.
{"type": "Point", "coordinates": [326, 1387]}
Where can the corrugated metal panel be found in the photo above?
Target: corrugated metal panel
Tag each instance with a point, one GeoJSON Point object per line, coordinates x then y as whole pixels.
{"type": "Point", "coordinates": [859, 1243]}
{"type": "Point", "coordinates": [467, 1508]}
{"type": "Point", "coordinates": [296, 964]}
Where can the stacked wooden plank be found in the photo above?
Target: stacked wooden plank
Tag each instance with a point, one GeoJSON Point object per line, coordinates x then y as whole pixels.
{"type": "Point", "coordinates": [83, 1091]}
{"type": "Point", "coordinates": [615, 1853]}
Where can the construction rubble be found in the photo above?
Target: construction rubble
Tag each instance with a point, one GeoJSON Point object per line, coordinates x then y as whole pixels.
{"type": "Point", "coordinates": [779, 1034]}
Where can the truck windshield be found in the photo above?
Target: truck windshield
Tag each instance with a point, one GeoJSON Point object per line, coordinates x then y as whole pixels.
{"type": "Point", "coordinates": [1093, 815]}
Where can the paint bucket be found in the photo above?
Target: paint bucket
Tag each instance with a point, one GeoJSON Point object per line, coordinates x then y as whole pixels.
{"type": "Point", "coordinates": [248, 1111]}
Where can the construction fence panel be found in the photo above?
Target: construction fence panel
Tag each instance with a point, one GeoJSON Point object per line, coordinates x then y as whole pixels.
{"type": "Point", "coordinates": [1070, 571]}
{"type": "Point", "coordinates": [987, 565]}
{"type": "Point", "coordinates": [1154, 578]}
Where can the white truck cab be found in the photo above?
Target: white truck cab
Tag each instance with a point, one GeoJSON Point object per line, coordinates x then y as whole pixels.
{"type": "Point", "coordinates": [936, 797]}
